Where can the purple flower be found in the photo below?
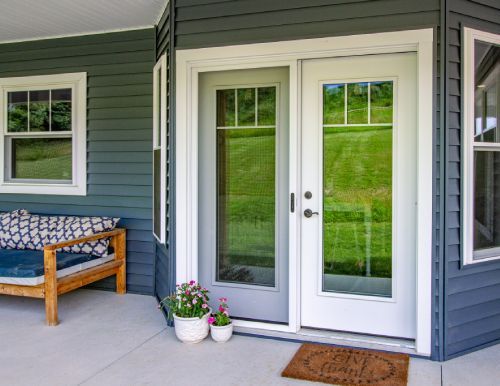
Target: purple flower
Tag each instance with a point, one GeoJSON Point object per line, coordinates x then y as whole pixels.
{"type": "Point", "coordinates": [192, 282]}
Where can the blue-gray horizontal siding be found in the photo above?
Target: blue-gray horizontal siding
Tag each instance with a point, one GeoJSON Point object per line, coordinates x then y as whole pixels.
{"type": "Point", "coordinates": [203, 23]}
{"type": "Point", "coordinates": [472, 294]}
{"type": "Point", "coordinates": [119, 120]}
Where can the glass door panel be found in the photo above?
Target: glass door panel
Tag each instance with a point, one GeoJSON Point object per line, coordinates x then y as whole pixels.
{"type": "Point", "coordinates": [246, 186]}
{"type": "Point", "coordinates": [357, 188]}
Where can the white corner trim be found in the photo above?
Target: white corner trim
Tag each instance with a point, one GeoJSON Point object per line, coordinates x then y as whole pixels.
{"type": "Point", "coordinates": [78, 83]}
{"type": "Point", "coordinates": [160, 127]}
{"type": "Point", "coordinates": [189, 63]}
{"type": "Point", "coordinates": [468, 125]}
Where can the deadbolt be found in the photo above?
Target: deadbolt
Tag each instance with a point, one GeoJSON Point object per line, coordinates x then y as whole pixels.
{"type": "Point", "coordinates": [308, 195]}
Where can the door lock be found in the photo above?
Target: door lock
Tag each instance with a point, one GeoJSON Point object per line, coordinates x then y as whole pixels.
{"type": "Point", "coordinates": [308, 213]}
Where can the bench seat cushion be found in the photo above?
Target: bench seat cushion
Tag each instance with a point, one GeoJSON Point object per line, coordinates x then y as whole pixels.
{"type": "Point", "coordinates": [25, 267]}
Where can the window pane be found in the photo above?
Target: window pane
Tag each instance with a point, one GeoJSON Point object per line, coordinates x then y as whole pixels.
{"type": "Point", "coordinates": [381, 102]}
{"type": "Point", "coordinates": [334, 104]}
{"type": "Point", "coordinates": [246, 206]}
{"type": "Point", "coordinates": [61, 110]}
{"type": "Point", "coordinates": [157, 192]}
{"type": "Point", "coordinates": [17, 111]}
{"type": "Point", "coordinates": [42, 158]}
{"type": "Point", "coordinates": [357, 103]}
{"type": "Point", "coordinates": [266, 106]}
{"type": "Point", "coordinates": [226, 108]}
{"type": "Point", "coordinates": [487, 201]}
{"type": "Point", "coordinates": [487, 73]}
{"type": "Point", "coordinates": [246, 107]}
{"type": "Point", "coordinates": [39, 110]}
{"type": "Point", "coordinates": [357, 210]}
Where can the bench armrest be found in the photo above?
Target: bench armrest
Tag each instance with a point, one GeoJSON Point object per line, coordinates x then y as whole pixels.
{"type": "Point", "coordinates": [97, 236]}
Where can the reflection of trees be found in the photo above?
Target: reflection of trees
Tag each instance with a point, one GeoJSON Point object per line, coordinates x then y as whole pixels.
{"type": "Point", "coordinates": [61, 116]}
{"type": "Point", "coordinates": [18, 117]}
{"type": "Point", "coordinates": [39, 114]}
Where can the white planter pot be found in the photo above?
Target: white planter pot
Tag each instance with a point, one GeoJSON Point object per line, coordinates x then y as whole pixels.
{"type": "Point", "coordinates": [191, 330]}
{"type": "Point", "coordinates": [221, 334]}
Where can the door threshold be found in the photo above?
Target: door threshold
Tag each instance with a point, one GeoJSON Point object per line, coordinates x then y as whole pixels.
{"type": "Point", "coordinates": [336, 338]}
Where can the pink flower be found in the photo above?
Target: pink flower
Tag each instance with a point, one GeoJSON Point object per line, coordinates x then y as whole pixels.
{"type": "Point", "coordinates": [204, 306]}
{"type": "Point", "coordinates": [195, 301]}
{"type": "Point", "coordinates": [188, 305]}
{"type": "Point", "coordinates": [226, 313]}
{"type": "Point", "coordinates": [192, 282]}
{"type": "Point", "coordinates": [211, 320]}
{"type": "Point", "coordinates": [221, 309]}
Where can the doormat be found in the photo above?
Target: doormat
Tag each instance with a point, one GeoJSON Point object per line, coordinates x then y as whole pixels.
{"type": "Point", "coordinates": [348, 367]}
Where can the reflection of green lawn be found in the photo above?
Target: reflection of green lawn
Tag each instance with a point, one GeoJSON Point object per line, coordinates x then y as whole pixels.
{"type": "Point", "coordinates": [49, 160]}
{"type": "Point", "coordinates": [357, 206]}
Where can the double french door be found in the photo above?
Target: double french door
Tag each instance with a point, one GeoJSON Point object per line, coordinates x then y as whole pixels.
{"type": "Point", "coordinates": [356, 201]}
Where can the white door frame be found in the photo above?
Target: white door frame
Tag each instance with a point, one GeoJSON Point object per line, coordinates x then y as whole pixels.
{"type": "Point", "coordinates": [189, 63]}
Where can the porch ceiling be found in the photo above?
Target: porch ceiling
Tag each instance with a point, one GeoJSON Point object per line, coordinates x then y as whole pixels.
{"type": "Point", "coordinates": [38, 19]}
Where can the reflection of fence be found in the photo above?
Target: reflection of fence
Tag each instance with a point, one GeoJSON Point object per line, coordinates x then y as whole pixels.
{"type": "Point", "coordinates": [366, 213]}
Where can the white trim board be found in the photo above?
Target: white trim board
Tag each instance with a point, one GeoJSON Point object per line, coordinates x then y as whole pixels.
{"type": "Point", "coordinates": [190, 63]}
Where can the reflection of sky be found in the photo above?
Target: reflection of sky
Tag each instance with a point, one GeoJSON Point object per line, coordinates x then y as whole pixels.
{"type": "Point", "coordinates": [334, 87]}
{"type": "Point", "coordinates": [491, 123]}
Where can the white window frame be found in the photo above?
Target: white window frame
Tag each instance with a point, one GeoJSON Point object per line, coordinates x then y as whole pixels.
{"type": "Point", "coordinates": [469, 145]}
{"type": "Point", "coordinates": [77, 82]}
{"type": "Point", "coordinates": [160, 128]}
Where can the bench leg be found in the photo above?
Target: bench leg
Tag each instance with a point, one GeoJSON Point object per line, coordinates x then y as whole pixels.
{"type": "Point", "coordinates": [121, 275]}
{"type": "Point", "coordinates": [51, 310]}
{"type": "Point", "coordinates": [50, 288]}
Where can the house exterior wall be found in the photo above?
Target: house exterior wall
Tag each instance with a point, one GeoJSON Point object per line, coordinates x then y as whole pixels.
{"type": "Point", "coordinates": [205, 23]}
{"type": "Point", "coordinates": [466, 301]}
{"type": "Point", "coordinates": [119, 119]}
{"type": "Point", "coordinates": [471, 309]}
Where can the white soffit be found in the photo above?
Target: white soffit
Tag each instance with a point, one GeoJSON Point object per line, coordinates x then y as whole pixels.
{"type": "Point", "coordinates": [40, 19]}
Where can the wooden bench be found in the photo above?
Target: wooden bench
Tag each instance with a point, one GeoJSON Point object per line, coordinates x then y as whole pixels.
{"type": "Point", "coordinates": [52, 287]}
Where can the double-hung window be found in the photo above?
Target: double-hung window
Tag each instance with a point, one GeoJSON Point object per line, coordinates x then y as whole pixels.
{"type": "Point", "coordinates": [160, 149]}
{"type": "Point", "coordinates": [481, 148]}
{"type": "Point", "coordinates": [43, 134]}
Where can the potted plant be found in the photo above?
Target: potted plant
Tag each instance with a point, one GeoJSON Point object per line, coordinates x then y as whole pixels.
{"type": "Point", "coordinates": [221, 327]}
{"type": "Point", "coordinates": [188, 307]}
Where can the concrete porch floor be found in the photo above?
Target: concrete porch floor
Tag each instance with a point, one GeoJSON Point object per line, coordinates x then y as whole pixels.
{"type": "Point", "coordinates": [106, 339]}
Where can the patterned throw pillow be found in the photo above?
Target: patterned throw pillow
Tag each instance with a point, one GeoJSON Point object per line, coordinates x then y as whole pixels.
{"type": "Point", "coordinates": [70, 228]}
{"type": "Point", "coordinates": [21, 230]}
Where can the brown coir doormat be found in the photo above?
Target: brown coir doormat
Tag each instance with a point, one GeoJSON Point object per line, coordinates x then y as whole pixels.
{"type": "Point", "coordinates": [348, 367]}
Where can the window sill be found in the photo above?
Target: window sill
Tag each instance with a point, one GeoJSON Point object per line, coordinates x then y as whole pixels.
{"type": "Point", "coordinates": [43, 189]}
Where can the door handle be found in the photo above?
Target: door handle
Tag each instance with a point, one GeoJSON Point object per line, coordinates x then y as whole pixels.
{"type": "Point", "coordinates": [308, 213]}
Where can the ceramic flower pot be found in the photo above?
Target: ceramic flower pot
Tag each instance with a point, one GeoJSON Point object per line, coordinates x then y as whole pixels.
{"type": "Point", "coordinates": [221, 334]}
{"type": "Point", "coordinates": [191, 330]}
